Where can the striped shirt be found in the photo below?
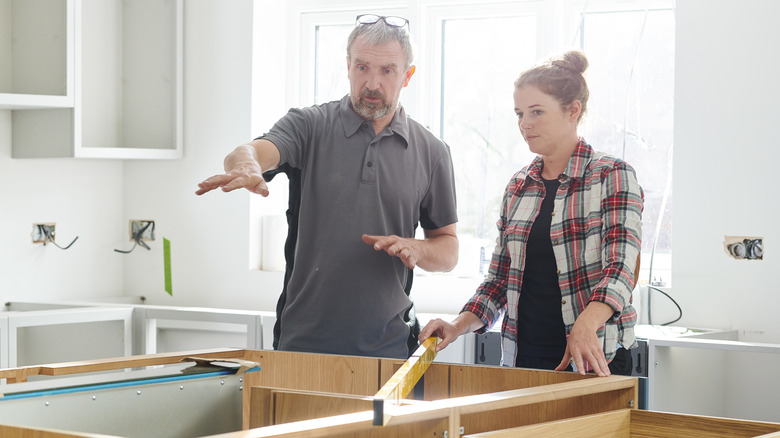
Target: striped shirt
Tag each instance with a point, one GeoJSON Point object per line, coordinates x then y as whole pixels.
{"type": "Point", "coordinates": [596, 238]}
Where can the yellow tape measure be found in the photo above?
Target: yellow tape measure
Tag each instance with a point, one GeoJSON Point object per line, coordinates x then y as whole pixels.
{"type": "Point", "coordinates": [403, 381]}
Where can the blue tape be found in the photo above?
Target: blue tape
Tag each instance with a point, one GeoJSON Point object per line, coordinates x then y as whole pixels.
{"type": "Point", "coordinates": [116, 385]}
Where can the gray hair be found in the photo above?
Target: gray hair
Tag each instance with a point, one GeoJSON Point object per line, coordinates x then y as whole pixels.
{"type": "Point", "coordinates": [381, 33]}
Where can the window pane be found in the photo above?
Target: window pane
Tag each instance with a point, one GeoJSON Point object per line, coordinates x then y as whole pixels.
{"type": "Point", "coordinates": [330, 78]}
{"type": "Point", "coordinates": [481, 60]}
{"type": "Point", "coordinates": [631, 112]}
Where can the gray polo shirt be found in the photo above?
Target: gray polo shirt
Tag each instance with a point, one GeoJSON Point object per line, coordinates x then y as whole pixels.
{"type": "Point", "coordinates": [343, 297]}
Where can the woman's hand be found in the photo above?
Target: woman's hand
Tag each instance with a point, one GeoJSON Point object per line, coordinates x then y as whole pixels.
{"type": "Point", "coordinates": [583, 346]}
{"type": "Point", "coordinates": [450, 331]}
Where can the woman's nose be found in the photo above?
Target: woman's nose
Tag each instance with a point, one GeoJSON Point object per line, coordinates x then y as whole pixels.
{"type": "Point", "coordinates": [522, 123]}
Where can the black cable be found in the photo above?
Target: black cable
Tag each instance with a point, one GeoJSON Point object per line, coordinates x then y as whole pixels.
{"type": "Point", "coordinates": [137, 238]}
{"type": "Point", "coordinates": [679, 309]}
{"type": "Point", "coordinates": [49, 237]}
{"type": "Point", "coordinates": [129, 250]}
{"type": "Point", "coordinates": [69, 245]}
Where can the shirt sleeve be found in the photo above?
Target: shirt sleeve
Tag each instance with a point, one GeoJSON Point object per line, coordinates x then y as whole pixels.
{"type": "Point", "coordinates": [490, 300]}
{"type": "Point", "coordinates": [291, 134]}
{"type": "Point", "coordinates": [439, 207]}
{"type": "Point", "coordinates": [622, 202]}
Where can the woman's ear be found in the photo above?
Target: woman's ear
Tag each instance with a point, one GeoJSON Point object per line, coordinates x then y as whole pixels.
{"type": "Point", "coordinates": [574, 109]}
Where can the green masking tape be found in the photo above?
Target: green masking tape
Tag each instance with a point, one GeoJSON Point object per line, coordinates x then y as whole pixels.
{"type": "Point", "coordinates": [167, 262]}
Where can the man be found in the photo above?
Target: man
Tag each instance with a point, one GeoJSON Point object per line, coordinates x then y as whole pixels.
{"type": "Point", "coordinates": [365, 176]}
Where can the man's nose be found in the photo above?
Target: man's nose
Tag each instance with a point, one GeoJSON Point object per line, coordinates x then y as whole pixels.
{"type": "Point", "coordinates": [372, 82]}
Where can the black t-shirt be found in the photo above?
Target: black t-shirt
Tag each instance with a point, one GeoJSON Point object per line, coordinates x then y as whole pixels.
{"type": "Point", "coordinates": [541, 335]}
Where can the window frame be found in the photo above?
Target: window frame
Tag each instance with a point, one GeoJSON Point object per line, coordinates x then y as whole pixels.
{"type": "Point", "coordinates": [559, 25]}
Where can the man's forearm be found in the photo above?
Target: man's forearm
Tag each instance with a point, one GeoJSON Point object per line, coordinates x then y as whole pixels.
{"type": "Point", "coordinates": [261, 153]}
{"type": "Point", "coordinates": [440, 253]}
{"type": "Point", "coordinates": [244, 155]}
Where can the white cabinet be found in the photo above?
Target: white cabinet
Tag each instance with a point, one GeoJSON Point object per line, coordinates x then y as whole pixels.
{"type": "Point", "coordinates": [37, 333]}
{"type": "Point", "coordinates": [93, 78]}
{"type": "Point", "coordinates": [36, 54]}
{"type": "Point", "coordinates": [720, 373]}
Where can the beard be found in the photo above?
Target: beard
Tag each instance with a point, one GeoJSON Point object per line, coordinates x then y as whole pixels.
{"type": "Point", "coordinates": [370, 110]}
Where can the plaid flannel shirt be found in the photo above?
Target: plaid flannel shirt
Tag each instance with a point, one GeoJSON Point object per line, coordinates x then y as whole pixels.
{"type": "Point", "coordinates": [596, 238]}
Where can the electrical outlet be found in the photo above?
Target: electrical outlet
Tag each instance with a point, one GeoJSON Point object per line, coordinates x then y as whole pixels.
{"type": "Point", "coordinates": [43, 232]}
{"type": "Point", "coordinates": [744, 248]}
{"type": "Point", "coordinates": [145, 227]}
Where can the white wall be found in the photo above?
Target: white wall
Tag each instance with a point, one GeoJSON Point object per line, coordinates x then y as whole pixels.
{"type": "Point", "coordinates": [725, 158]}
{"type": "Point", "coordinates": [84, 198]}
{"type": "Point", "coordinates": [208, 234]}
{"type": "Point", "coordinates": [725, 144]}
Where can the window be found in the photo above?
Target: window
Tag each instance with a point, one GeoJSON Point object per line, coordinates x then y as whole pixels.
{"type": "Point", "coordinates": [330, 66]}
{"type": "Point", "coordinates": [630, 49]}
{"type": "Point", "coordinates": [480, 58]}
{"type": "Point", "coordinates": [468, 55]}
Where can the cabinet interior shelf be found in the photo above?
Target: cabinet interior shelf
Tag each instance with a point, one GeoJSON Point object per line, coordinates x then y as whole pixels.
{"type": "Point", "coordinates": [93, 78]}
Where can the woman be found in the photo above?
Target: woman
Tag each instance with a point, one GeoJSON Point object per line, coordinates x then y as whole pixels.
{"type": "Point", "coordinates": [562, 271]}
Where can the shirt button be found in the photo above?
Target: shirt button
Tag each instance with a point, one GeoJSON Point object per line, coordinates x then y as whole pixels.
{"type": "Point", "coordinates": [555, 242]}
{"type": "Point", "coordinates": [370, 164]}
{"type": "Point", "coordinates": [563, 301]}
{"type": "Point", "coordinates": [553, 214]}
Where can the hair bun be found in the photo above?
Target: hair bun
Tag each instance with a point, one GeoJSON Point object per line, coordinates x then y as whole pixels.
{"type": "Point", "coordinates": [573, 60]}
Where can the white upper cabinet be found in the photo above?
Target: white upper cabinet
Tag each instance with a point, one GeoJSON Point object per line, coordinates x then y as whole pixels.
{"type": "Point", "coordinates": [36, 54]}
{"type": "Point", "coordinates": [93, 78]}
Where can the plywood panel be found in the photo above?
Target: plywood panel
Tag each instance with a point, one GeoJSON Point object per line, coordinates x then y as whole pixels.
{"type": "Point", "coordinates": [261, 411]}
{"type": "Point", "coordinates": [363, 376]}
{"type": "Point", "coordinates": [638, 424]}
{"type": "Point", "coordinates": [316, 372]}
{"type": "Point", "coordinates": [26, 432]}
{"type": "Point", "coordinates": [291, 406]}
{"type": "Point", "coordinates": [611, 424]}
{"type": "Point", "coordinates": [436, 382]}
{"type": "Point", "coordinates": [359, 425]}
{"type": "Point", "coordinates": [546, 411]}
{"type": "Point", "coordinates": [474, 379]}
{"type": "Point", "coordinates": [311, 372]}
{"type": "Point", "coordinates": [470, 380]}
{"type": "Point", "coordinates": [271, 406]}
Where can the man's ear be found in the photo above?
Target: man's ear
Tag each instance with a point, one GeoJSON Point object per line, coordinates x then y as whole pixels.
{"type": "Point", "coordinates": [408, 75]}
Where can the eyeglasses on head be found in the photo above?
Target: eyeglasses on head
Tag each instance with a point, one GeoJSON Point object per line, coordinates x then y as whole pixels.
{"type": "Point", "coordinates": [369, 19]}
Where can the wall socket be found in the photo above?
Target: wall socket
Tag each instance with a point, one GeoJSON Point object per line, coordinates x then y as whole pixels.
{"type": "Point", "coordinates": [41, 230]}
{"type": "Point", "coordinates": [744, 247]}
{"type": "Point", "coordinates": [145, 227]}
